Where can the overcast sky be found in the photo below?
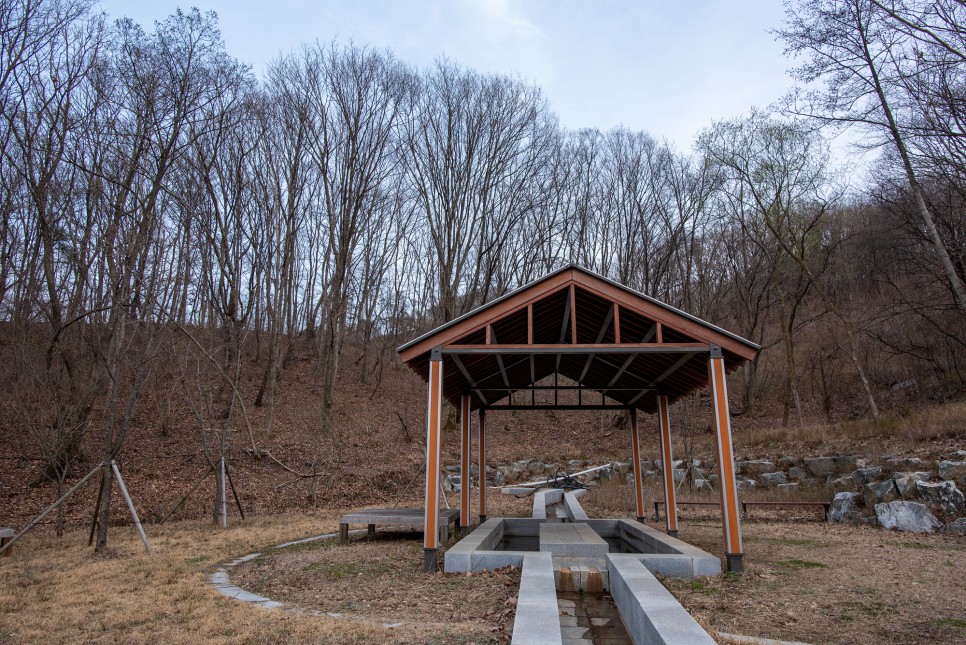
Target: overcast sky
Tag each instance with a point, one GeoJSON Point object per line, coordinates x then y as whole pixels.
{"type": "Point", "coordinates": [667, 67]}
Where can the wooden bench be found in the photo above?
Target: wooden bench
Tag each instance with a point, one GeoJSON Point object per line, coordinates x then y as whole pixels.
{"type": "Point", "coordinates": [658, 503]}
{"type": "Point", "coordinates": [5, 536]}
{"type": "Point", "coordinates": [395, 517]}
{"type": "Point", "coordinates": [744, 506]}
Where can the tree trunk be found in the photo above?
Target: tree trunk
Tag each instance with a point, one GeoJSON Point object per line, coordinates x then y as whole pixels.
{"type": "Point", "coordinates": [104, 512]}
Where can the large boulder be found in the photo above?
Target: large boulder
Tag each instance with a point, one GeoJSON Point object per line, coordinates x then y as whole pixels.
{"type": "Point", "coordinates": [845, 508]}
{"type": "Point", "coordinates": [957, 527]}
{"type": "Point", "coordinates": [452, 483]}
{"type": "Point", "coordinates": [825, 466]}
{"type": "Point", "coordinates": [754, 467]}
{"type": "Point", "coordinates": [788, 461]}
{"type": "Point", "coordinates": [537, 467]}
{"type": "Point", "coordinates": [906, 516]}
{"type": "Point", "coordinates": [497, 478]}
{"type": "Point", "coordinates": [679, 474]}
{"type": "Point", "coordinates": [951, 469]}
{"type": "Point", "coordinates": [942, 495]}
{"type": "Point", "coordinates": [842, 484]}
{"type": "Point", "coordinates": [879, 493]}
{"type": "Point", "coordinates": [906, 482]}
{"type": "Point", "coordinates": [796, 473]}
{"type": "Point", "coordinates": [621, 466]}
{"type": "Point", "coordinates": [770, 480]}
{"type": "Point", "coordinates": [863, 476]}
{"type": "Point", "coordinates": [902, 463]}
{"type": "Point", "coordinates": [746, 484]}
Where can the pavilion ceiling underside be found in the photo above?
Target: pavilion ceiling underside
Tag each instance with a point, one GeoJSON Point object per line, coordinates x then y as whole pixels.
{"type": "Point", "coordinates": [561, 317]}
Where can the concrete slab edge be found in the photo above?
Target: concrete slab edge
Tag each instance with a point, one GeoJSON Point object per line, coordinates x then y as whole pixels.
{"type": "Point", "coordinates": [650, 613]}
{"type": "Point", "coordinates": [575, 512]}
{"type": "Point", "coordinates": [537, 619]}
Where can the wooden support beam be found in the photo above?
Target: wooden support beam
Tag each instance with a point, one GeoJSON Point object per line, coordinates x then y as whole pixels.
{"type": "Point", "coordinates": [481, 442]}
{"type": "Point", "coordinates": [465, 463]}
{"type": "Point", "coordinates": [529, 324]}
{"type": "Point", "coordinates": [434, 425]}
{"type": "Point", "coordinates": [584, 348]}
{"type": "Point", "coordinates": [564, 323]}
{"type": "Point", "coordinates": [636, 454]}
{"type": "Point", "coordinates": [667, 465]}
{"type": "Point", "coordinates": [730, 521]}
{"type": "Point", "coordinates": [617, 323]}
{"type": "Point", "coordinates": [573, 316]}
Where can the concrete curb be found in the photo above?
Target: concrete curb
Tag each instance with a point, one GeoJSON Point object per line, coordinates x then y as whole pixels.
{"type": "Point", "coordinates": [537, 619]}
{"type": "Point", "coordinates": [651, 614]}
{"type": "Point", "coordinates": [220, 580]}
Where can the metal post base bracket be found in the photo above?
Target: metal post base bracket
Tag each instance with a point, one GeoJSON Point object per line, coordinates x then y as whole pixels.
{"type": "Point", "coordinates": [430, 561]}
{"type": "Point", "coordinates": [734, 562]}
{"type": "Point", "coordinates": [674, 534]}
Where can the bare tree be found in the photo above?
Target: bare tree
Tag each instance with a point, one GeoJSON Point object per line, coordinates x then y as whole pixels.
{"type": "Point", "coordinates": [854, 47]}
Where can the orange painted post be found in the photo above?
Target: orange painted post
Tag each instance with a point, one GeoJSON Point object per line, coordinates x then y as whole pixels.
{"type": "Point", "coordinates": [667, 466]}
{"type": "Point", "coordinates": [731, 522]}
{"type": "Point", "coordinates": [465, 463]}
{"type": "Point", "coordinates": [636, 453]}
{"type": "Point", "coordinates": [482, 444]}
{"type": "Point", "coordinates": [434, 413]}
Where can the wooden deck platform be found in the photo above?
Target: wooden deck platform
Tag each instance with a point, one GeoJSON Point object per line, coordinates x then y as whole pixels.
{"type": "Point", "coordinates": [413, 517]}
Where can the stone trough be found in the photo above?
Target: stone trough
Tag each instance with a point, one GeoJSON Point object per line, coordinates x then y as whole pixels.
{"type": "Point", "coordinates": [561, 549]}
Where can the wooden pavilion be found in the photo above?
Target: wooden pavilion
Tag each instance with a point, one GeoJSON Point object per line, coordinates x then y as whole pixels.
{"type": "Point", "coordinates": [621, 349]}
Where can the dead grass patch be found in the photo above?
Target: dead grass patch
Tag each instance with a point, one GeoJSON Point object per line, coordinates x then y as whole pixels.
{"type": "Point", "coordinates": [380, 578]}
{"type": "Point", "coordinates": [823, 583]}
{"type": "Point", "coordinates": [807, 580]}
{"type": "Point", "coordinates": [57, 591]}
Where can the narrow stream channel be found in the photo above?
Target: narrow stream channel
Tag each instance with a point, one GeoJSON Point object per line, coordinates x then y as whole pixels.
{"type": "Point", "coordinates": [590, 618]}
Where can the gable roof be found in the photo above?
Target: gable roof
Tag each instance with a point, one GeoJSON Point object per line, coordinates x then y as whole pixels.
{"type": "Point", "coordinates": [567, 323]}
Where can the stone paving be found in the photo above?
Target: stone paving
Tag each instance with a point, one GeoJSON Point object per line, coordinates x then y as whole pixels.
{"type": "Point", "coordinates": [590, 618]}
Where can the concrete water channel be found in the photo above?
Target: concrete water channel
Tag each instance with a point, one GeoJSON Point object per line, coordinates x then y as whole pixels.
{"type": "Point", "coordinates": [587, 580]}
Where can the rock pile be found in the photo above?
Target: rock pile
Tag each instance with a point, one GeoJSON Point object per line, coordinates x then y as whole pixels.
{"type": "Point", "coordinates": [905, 493]}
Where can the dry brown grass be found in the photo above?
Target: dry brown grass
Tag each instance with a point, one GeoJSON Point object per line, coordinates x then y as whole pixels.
{"type": "Point", "coordinates": [807, 580]}
{"type": "Point", "coordinates": [926, 427]}
{"type": "Point", "coordinates": [57, 591]}
{"type": "Point", "coordinates": [822, 583]}
{"type": "Point", "coordinates": [379, 578]}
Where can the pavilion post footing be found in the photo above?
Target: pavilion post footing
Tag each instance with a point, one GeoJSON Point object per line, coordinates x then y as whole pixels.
{"type": "Point", "coordinates": [430, 560]}
{"type": "Point", "coordinates": [734, 562]}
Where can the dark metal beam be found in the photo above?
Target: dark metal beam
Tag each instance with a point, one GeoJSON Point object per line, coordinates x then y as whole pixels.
{"type": "Point", "coordinates": [469, 379]}
{"type": "Point", "coordinates": [630, 359]}
{"type": "Point", "coordinates": [600, 337]}
{"type": "Point", "coordinates": [678, 364]}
